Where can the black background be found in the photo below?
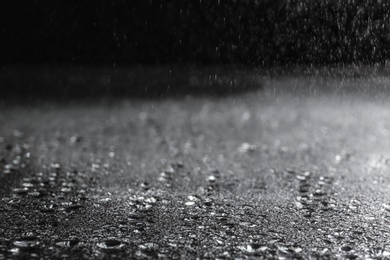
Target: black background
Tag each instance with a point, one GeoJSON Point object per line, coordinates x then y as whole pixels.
{"type": "Point", "coordinates": [252, 33]}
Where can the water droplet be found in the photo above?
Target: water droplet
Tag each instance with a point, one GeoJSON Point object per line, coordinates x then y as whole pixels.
{"type": "Point", "coordinates": [148, 250]}
{"type": "Point", "coordinates": [111, 244]}
{"type": "Point", "coordinates": [299, 205]}
{"type": "Point", "coordinates": [252, 248]}
{"type": "Point", "coordinates": [73, 207]}
{"type": "Point", "coordinates": [246, 148]}
{"type": "Point", "coordinates": [325, 180]}
{"type": "Point", "coordinates": [211, 178]}
{"type": "Point", "coordinates": [190, 203]}
{"type": "Point", "coordinates": [75, 139]}
{"type": "Point", "coordinates": [15, 250]}
{"type": "Point", "coordinates": [283, 250]}
{"type": "Point", "coordinates": [248, 224]}
{"type": "Point", "coordinates": [193, 198]}
{"type": "Point", "coordinates": [27, 184]}
{"type": "Point", "coordinates": [164, 177]}
{"type": "Point", "coordinates": [208, 202]}
{"type": "Point", "coordinates": [56, 166]}
{"type": "Point", "coordinates": [145, 185]}
{"type": "Point", "coordinates": [68, 243]}
{"type": "Point", "coordinates": [352, 207]}
{"type": "Point", "coordinates": [26, 242]}
{"type": "Point", "coordinates": [150, 200]}
{"type": "Point", "coordinates": [104, 200]}
{"type": "Point", "coordinates": [48, 208]}
{"type": "Point", "coordinates": [318, 193]}
{"type": "Point", "coordinates": [37, 194]}
{"type": "Point", "coordinates": [149, 246]}
{"type": "Point", "coordinates": [301, 177]}
{"type": "Point", "coordinates": [370, 218]}
{"type": "Point", "coordinates": [66, 189]}
{"type": "Point", "coordinates": [20, 190]}
{"type": "Point", "coordinates": [297, 249]}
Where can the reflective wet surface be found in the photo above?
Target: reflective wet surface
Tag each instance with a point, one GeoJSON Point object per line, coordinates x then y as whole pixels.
{"type": "Point", "coordinates": [264, 175]}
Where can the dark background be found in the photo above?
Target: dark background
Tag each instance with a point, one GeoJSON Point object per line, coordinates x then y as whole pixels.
{"type": "Point", "coordinates": [248, 32]}
{"type": "Point", "coordinates": [69, 48]}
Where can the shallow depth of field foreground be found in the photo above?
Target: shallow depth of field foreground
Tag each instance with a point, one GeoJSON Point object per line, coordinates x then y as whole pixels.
{"type": "Point", "coordinates": [298, 169]}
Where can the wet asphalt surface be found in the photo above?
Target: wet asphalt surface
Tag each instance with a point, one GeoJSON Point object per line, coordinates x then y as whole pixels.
{"type": "Point", "coordinates": [298, 170]}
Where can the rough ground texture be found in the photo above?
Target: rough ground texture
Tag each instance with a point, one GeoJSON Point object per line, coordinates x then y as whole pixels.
{"type": "Point", "coordinates": [298, 169]}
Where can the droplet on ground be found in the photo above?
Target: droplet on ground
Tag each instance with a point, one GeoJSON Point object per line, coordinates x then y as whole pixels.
{"type": "Point", "coordinates": [104, 200]}
{"type": "Point", "coordinates": [20, 190]}
{"type": "Point", "coordinates": [252, 248]}
{"type": "Point", "coordinates": [211, 179]}
{"type": "Point", "coordinates": [68, 243]}
{"type": "Point", "coordinates": [192, 198]}
{"type": "Point", "coordinates": [246, 148]}
{"type": "Point", "coordinates": [26, 242]}
{"type": "Point", "coordinates": [149, 246]}
{"type": "Point", "coordinates": [111, 244]}
{"type": "Point", "coordinates": [190, 203]}
{"type": "Point", "coordinates": [148, 250]}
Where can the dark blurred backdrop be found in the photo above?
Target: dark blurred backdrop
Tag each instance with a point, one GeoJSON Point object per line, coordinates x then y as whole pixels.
{"type": "Point", "coordinates": [48, 47]}
{"type": "Point", "coordinates": [248, 32]}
